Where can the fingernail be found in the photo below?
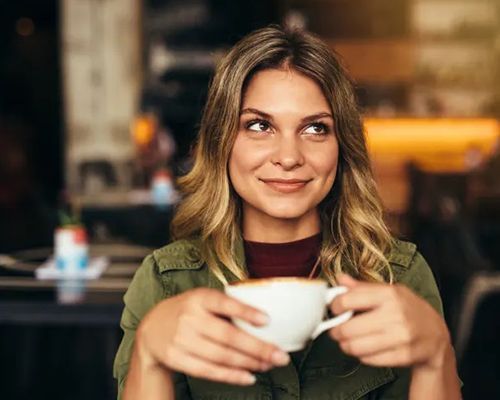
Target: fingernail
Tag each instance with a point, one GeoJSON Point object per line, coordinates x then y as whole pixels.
{"type": "Point", "coordinates": [262, 319]}
{"type": "Point", "coordinates": [249, 379]}
{"type": "Point", "coordinates": [265, 366]}
{"type": "Point", "coordinates": [280, 358]}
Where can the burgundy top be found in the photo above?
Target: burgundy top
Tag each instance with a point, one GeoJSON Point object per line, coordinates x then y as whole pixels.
{"type": "Point", "coordinates": [295, 258]}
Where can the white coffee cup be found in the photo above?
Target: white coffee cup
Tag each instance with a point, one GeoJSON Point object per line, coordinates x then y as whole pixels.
{"type": "Point", "coordinates": [296, 308]}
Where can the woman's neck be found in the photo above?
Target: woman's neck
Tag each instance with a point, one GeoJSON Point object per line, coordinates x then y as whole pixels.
{"type": "Point", "coordinates": [259, 227]}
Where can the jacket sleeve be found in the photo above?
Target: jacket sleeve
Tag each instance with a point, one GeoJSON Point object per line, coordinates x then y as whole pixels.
{"type": "Point", "coordinates": [144, 292]}
{"type": "Point", "coordinates": [417, 276]}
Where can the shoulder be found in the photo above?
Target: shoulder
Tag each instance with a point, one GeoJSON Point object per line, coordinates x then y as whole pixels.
{"type": "Point", "coordinates": [410, 269]}
{"type": "Point", "coordinates": [153, 281]}
{"type": "Point", "coordinates": [184, 254]}
{"type": "Point", "coordinates": [180, 266]}
{"type": "Point", "coordinates": [405, 260]}
{"type": "Point", "coordinates": [401, 254]}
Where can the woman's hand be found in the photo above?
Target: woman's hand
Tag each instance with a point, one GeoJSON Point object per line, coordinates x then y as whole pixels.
{"type": "Point", "coordinates": [190, 333]}
{"type": "Point", "coordinates": [395, 328]}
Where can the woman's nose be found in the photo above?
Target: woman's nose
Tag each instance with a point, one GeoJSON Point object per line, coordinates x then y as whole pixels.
{"type": "Point", "coordinates": [287, 153]}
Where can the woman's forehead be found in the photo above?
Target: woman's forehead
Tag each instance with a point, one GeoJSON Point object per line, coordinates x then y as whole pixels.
{"type": "Point", "coordinates": [281, 90]}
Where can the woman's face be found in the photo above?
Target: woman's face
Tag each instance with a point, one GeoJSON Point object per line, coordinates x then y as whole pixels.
{"type": "Point", "coordinates": [285, 156]}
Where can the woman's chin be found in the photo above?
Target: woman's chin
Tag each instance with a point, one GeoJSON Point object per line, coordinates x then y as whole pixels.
{"type": "Point", "coordinates": [287, 213]}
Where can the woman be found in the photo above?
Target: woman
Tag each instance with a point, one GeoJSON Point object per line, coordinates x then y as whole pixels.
{"type": "Point", "coordinates": [281, 185]}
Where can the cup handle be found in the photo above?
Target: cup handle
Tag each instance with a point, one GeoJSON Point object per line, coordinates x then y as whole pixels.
{"type": "Point", "coordinates": [339, 319]}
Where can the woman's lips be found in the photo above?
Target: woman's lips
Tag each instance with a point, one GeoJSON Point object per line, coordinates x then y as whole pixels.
{"type": "Point", "coordinates": [285, 185]}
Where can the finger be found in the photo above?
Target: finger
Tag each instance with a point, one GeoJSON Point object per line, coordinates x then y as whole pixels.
{"type": "Point", "coordinates": [368, 345]}
{"type": "Point", "coordinates": [359, 299]}
{"type": "Point", "coordinates": [221, 304]}
{"type": "Point", "coordinates": [194, 366]}
{"type": "Point", "coordinates": [227, 334]}
{"type": "Point", "coordinates": [222, 355]}
{"type": "Point", "coordinates": [398, 357]}
{"type": "Point", "coordinates": [347, 280]}
{"type": "Point", "coordinates": [367, 323]}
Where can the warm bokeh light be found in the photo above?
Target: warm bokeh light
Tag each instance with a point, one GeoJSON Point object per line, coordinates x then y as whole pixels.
{"type": "Point", "coordinates": [143, 130]}
{"type": "Point", "coordinates": [441, 145]}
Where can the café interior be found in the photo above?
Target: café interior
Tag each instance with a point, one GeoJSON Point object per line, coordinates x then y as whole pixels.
{"type": "Point", "coordinates": [99, 106]}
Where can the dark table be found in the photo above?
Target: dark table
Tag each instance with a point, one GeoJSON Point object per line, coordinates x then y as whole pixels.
{"type": "Point", "coordinates": [55, 346]}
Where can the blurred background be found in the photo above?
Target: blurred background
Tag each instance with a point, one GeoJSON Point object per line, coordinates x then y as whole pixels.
{"type": "Point", "coordinates": [99, 105]}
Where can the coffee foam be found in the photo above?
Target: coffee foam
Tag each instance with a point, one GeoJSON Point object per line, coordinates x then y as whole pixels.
{"type": "Point", "coordinates": [281, 279]}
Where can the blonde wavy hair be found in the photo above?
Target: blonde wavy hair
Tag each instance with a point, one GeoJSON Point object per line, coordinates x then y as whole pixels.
{"type": "Point", "coordinates": [355, 237]}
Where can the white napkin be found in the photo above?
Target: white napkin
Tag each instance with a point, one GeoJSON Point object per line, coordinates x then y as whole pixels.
{"type": "Point", "coordinates": [95, 268]}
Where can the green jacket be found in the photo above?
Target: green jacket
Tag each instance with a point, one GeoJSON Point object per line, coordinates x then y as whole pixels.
{"type": "Point", "coordinates": [324, 372]}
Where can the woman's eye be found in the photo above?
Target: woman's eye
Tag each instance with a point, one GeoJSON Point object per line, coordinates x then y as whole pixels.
{"type": "Point", "coordinates": [258, 126]}
{"type": "Point", "coordinates": [316, 129]}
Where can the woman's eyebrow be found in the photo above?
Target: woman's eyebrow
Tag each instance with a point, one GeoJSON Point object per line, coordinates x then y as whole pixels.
{"type": "Point", "coordinates": [267, 116]}
{"type": "Point", "coordinates": [313, 117]}
{"type": "Point", "coordinates": [258, 112]}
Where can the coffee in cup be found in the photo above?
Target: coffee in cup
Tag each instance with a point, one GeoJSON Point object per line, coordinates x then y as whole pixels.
{"type": "Point", "coordinates": [296, 308]}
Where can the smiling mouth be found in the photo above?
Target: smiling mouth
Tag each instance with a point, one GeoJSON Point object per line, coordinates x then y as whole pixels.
{"type": "Point", "coordinates": [285, 185]}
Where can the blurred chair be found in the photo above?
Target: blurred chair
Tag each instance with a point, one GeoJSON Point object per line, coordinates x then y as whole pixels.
{"type": "Point", "coordinates": [477, 337]}
{"type": "Point", "coordinates": [444, 235]}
